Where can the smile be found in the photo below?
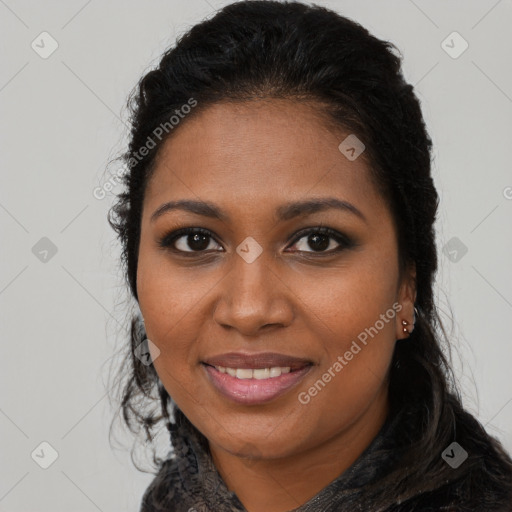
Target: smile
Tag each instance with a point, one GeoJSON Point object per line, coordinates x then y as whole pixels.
{"type": "Point", "coordinates": [254, 373]}
{"type": "Point", "coordinates": [251, 386]}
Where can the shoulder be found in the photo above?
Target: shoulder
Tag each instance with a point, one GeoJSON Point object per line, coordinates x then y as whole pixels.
{"type": "Point", "coordinates": [481, 483]}
{"type": "Point", "coordinates": [165, 490]}
{"type": "Point", "coordinates": [180, 486]}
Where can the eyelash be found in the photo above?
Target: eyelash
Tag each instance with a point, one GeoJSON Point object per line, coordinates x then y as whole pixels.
{"type": "Point", "coordinates": [345, 242]}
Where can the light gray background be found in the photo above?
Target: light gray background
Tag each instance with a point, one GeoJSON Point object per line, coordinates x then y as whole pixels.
{"type": "Point", "coordinates": [62, 120]}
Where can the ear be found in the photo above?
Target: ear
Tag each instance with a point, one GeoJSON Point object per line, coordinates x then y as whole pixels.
{"type": "Point", "coordinates": [407, 299]}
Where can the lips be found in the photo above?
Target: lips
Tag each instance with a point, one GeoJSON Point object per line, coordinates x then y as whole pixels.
{"type": "Point", "coordinates": [254, 391]}
{"type": "Point", "coordinates": [256, 378]}
{"type": "Point", "coordinates": [257, 360]}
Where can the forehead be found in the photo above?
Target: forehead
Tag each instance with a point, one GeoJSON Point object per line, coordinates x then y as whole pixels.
{"type": "Point", "coordinates": [261, 154]}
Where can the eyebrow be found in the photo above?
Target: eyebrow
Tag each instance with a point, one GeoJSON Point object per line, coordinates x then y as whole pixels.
{"type": "Point", "coordinates": [284, 212]}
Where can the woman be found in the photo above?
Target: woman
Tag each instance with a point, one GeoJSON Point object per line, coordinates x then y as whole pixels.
{"type": "Point", "coordinates": [278, 237]}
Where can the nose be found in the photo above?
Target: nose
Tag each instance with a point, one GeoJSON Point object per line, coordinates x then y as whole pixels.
{"type": "Point", "coordinates": [253, 297]}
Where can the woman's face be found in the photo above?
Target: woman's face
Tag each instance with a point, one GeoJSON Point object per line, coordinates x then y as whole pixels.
{"type": "Point", "coordinates": [262, 279]}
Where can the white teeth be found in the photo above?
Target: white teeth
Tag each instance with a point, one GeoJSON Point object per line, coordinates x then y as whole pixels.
{"type": "Point", "coordinates": [244, 373]}
{"type": "Point", "coordinates": [261, 373]}
{"type": "Point", "coordinates": [275, 372]}
{"type": "Point", "coordinates": [256, 373]}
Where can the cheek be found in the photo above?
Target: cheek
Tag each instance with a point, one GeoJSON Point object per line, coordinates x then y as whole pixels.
{"type": "Point", "coordinates": [357, 357]}
{"type": "Point", "coordinates": [354, 315]}
{"type": "Point", "coordinates": [347, 299]}
{"type": "Point", "coordinates": [168, 295]}
{"type": "Point", "coordinates": [166, 305]}
{"type": "Point", "coordinates": [173, 302]}
{"type": "Point", "coordinates": [171, 325]}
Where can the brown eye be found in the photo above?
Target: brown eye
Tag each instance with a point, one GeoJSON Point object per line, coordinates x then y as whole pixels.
{"type": "Point", "coordinates": [322, 240]}
{"type": "Point", "coordinates": [188, 240]}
